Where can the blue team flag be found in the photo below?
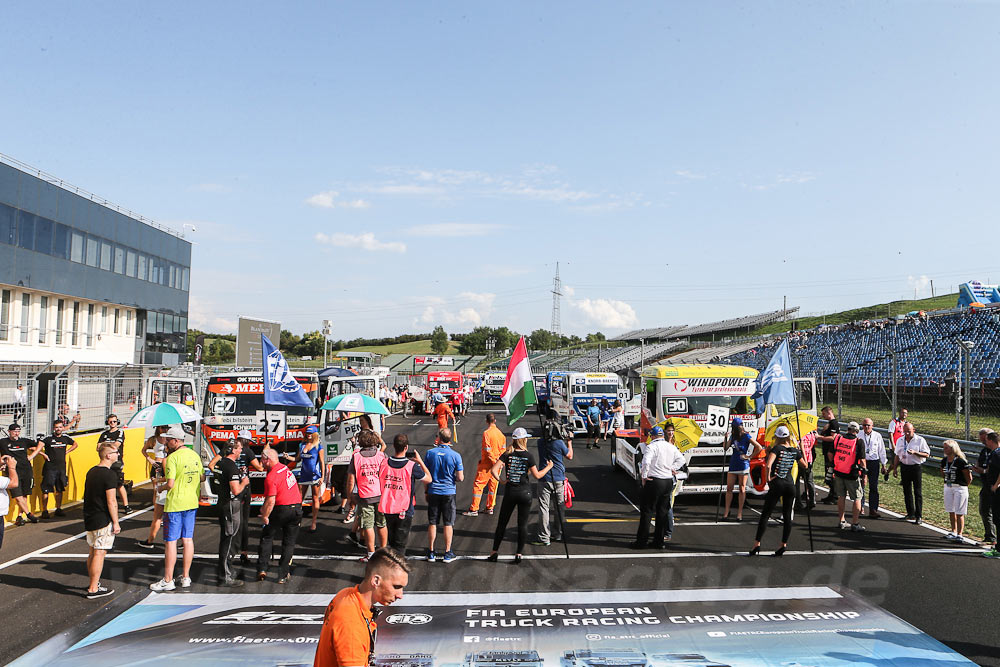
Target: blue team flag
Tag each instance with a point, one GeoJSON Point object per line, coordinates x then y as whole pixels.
{"type": "Point", "coordinates": [775, 384]}
{"type": "Point", "coordinates": [280, 386]}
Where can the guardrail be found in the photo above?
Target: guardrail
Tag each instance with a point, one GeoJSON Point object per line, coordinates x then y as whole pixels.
{"type": "Point", "coordinates": [969, 447]}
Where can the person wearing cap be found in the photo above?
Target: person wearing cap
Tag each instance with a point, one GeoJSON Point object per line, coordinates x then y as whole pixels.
{"type": "Point", "coordinates": [442, 411]}
{"type": "Point", "coordinates": [184, 474]}
{"type": "Point", "coordinates": [22, 451]}
{"type": "Point", "coordinates": [849, 468]}
{"type": "Point", "coordinates": [657, 474]}
{"type": "Point", "coordinates": [446, 469]}
{"type": "Point", "coordinates": [310, 462]}
{"type": "Point", "coordinates": [519, 463]}
{"type": "Point", "coordinates": [744, 449]}
{"type": "Point", "coordinates": [233, 484]}
{"type": "Point", "coordinates": [781, 459]}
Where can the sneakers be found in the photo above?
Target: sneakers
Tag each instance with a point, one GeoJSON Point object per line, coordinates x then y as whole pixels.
{"type": "Point", "coordinates": [185, 582]}
{"type": "Point", "coordinates": [949, 536]}
{"type": "Point", "coordinates": [539, 543]}
{"type": "Point", "coordinates": [59, 512]}
{"type": "Point", "coordinates": [431, 557]}
{"type": "Point", "coordinates": [19, 521]}
{"type": "Point", "coordinates": [285, 579]}
{"type": "Point", "coordinates": [844, 525]}
{"type": "Point", "coordinates": [45, 514]}
{"type": "Point", "coordinates": [32, 518]}
{"type": "Point", "coordinates": [449, 556]}
{"type": "Point", "coordinates": [162, 585]}
{"type": "Point", "coordinates": [991, 553]}
{"type": "Point", "coordinates": [858, 528]}
{"type": "Point", "coordinates": [146, 544]}
{"type": "Point", "coordinates": [489, 511]}
{"type": "Point", "coordinates": [470, 513]}
{"type": "Point", "coordinates": [127, 509]}
{"type": "Point", "coordinates": [101, 592]}
{"type": "Point", "coordinates": [350, 516]}
{"type": "Point", "coordinates": [231, 583]}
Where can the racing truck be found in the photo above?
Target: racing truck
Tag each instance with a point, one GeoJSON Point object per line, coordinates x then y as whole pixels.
{"type": "Point", "coordinates": [687, 391]}
{"type": "Point", "coordinates": [570, 394]}
{"type": "Point", "coordinates": [493, 387]}
{"type": "Point", "coordinates": [339, 430]}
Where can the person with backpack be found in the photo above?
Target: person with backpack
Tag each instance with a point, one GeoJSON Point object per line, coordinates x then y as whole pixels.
{"type": "Point", "coordinates": [398, 480]}
{"type": "Point", "coordinates": [366, 470]}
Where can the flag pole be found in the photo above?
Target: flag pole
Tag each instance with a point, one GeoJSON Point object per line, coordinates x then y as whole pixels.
{"type": "Point", "coordinates": [798, 428]}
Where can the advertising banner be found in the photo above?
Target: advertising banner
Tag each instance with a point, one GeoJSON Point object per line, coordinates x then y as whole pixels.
{"type": "Point", "coordinates": [248, 351]}
{"type": "Point", "coordinates": [687, 628]}
{"type": "Point", "coordinates": [436, 361]}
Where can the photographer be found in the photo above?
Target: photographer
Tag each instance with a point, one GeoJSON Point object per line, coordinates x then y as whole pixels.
{"type": "Point", "coordinates": [9, 466]}
{"type": "Point", "coordinates": [556, 446]}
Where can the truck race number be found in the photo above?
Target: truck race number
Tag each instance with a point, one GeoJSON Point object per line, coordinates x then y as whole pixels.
{"type": "Point", "coordinates": [271, 423]}
{"type": "Point", "coordinates": [224, 405]}
{"type": "Point", "coordinates": [718, 418]}
{"type": "Point", "coordinates": [677, 406]}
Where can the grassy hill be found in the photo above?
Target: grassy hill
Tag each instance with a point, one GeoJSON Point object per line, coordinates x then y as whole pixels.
{"type": "Point", "coordinates": [414, 347]}
{"type": "Point", "coordinates": [878, 311]}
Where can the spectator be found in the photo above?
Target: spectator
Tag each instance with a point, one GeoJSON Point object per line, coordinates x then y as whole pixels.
{"type": "Point", "coordinates": [398, 481]}
{"type": "Point", "coordinates": [781, 458]}
{"type": "Point", "coordinates": [657, 474]}
{"type": "Point", "coordinates": [493, 444]}
{"type": "Point", "coordinates": [518, 462]}
{"type": "Point", "coordinates": [445, 466]}
{"type": "Point", "coordinates": [617, 415]}
{"type": "Point", "coordinates": [100, 517]}
{"type": "Point", "coordinates": [116, 436]}
{"type": "Point", "coordinates": [911, 452]}
{"type": "Point", "coordinates": [22, 451]}
{"type": "Point", "coordinates": [550, 488]}
{"type": "Point", "coordinates": [347, 638]}
{"type": "Point", "coordinates": [156, 454]}
{"type": "Point", "coordinates": [594, 423]}
{"type": "Point", "coordinates": [991, 479]}
{"type": "Point", "coordinates": [896, 432]}
{"type": "Point", "coordinates": [744, 449]}
{"type": "Point", "coordinates": [233, 483]}
{"type": "Point", "coordinates": [7, 465]}
{"type": "Point", "coordinates": [54, 479]}
{"type": "Point", "coordinates": [364, 472]}
{"type": "Point", "coordinates": [807, 498]}
{"type": "Point", "coordinates": [875, 463]}
{"type": "Point", "coordinates": [245, 461]}
{"type": "Point", "coordinates": [184, 475]}
{"type": "Point", "coordinates": [71, 422]}
{"type": "Point", "coordinates": [605, 418]}
{"type": "Point", "coordinates": [848, 467]}
{"type": "Point", "coordinates": [20, 401]}
{"type": "Point", "coordinates": [985, 495]}
{"type": "Point", "coordinates": [957, 474]}
{"type": "Point", "coordinates": [310, 461]}
{"type": "Point", "coordinates": [826, 436]}
{"type": "Point", "coordinates": [281, 515]}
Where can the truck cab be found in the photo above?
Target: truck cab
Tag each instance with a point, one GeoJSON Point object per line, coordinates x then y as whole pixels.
{"type": "Point", "coordinates": [338, 430]}
{"type": "Point", "coordinates": [570, 394]}
{"type": "Point", "coordinates": [493, 387]}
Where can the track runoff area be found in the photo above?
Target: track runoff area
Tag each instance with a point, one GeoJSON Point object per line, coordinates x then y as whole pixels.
{"type": "Point", "coordinates": [898, 594]}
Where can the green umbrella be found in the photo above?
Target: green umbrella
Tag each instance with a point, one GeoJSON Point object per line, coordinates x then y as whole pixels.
{"type": "Point", "coordinates": [356, 403]}
{"type": "Point", "coordinates": [163, 414]}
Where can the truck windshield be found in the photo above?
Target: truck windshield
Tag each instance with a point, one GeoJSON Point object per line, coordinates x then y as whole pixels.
{"type": "Point", "coordinates": [443, 384]}
{"type": "Point", "coordinates": [601, 389]}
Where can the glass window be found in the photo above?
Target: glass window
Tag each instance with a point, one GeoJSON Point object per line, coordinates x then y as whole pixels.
{"type": "Point", "coordinates": [159, 323]}
{"type": "Point", "coordinates": [43, 319]}
{"type": "Point", "coordinates": [172, 280]}
{"type": "Point", "coordinates": [153, 275]}
{"type": "Point", "coordinates": [25, 316]}
{"type": "Point", "coordinates": [60, 241]}
{"type": "Point", "coordinates": [76, 247]}
{"type": "Point", "coordinates": [90, 325]}
{"type": "Point", "coordinates": [8, 226]}
{"type": "Point", "coordinates": [104, 320]}
{"type": "Point", "coordinates": [26, 230]}
{"type": "Point", "coordinates": [117, 315]}
{"type": "Point", "coordinates": [128, 322]}
{"type": "Point", "coordinates": [143, 272]}
{"type": "Point", "coordinates": [106, 255]}
{"type": "Point", "coordinates": [184, 280]}
{"type": "Point", "coordinates": [60, 309]}
{"type": "Point", "coordinates": [75, 324]}
{"type": "Point", "coordinates": [4, 314]}
{"type": "Point", "coordinates": [119, 259]}
{"type": "Point", "coordinates": [164, 273]}
{"type": "Point", "coordinates": [130, 264]}
{"type": "Point", "coordinates": [92, 247]}
{"type": "Point", "coordinates": [43, 235]}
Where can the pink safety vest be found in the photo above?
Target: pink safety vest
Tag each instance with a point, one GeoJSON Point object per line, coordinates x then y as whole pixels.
{"type": "Point", "coordinates": [844, 454]}
{"type": "Point", "coordinates": [367, 470]}
{"type": "Point", "coordinates": [397, 488]}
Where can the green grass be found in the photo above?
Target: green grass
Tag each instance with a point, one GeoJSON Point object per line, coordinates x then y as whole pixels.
{"type": "Point", "coordinates": [875, 312]}
{"type": "Point", "coordinates": [891, 497]}
{"type": "Point", "coordinates": [414, 347]}
{"type": "Point", "coordinates": [926, 422]}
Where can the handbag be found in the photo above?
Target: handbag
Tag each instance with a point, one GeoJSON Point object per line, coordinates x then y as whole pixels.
{"type": "Point", "coordinates": [568, 493]}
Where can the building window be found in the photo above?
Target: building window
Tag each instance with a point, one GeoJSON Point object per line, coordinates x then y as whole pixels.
{"type": "Point", "coordinates": [43, 319]}
{"type": "Point", "coordinates": [76, 247]}
{"type": "Point", "coordinates": [60, 241]}
{"type": "Point", "coordinates": [43, 236]}
{"type": "Point", "coordinates": [104, 320]}
{"type": "Point", "coordinates": [117, 314]}
{"type": "Point", "coordinates": [90, 325]}
{"type": "Point", "coordinates": [60, 309]}
{"type": "Point", "coordinates": [185, 285]}
{"type": "Point", "coordinates": [26, 230]}
{"type": "Point", "coordinates": [130, 264]}
{"type": "Point", "coordinates": [75, 325]}
{"type": "Point", "coordinates": [92, 251]}
{"type": "Point", "coordinates": [105, 255]}
{"type": "Point", "coordinates": [5, 314]}
{"type": "Point", "coordinates": [153, 275]}
{"type": "Point", "coordinates": [119, 260]}
{"type": "Point", "coordinates": [143, 271]}
{"type": "Point", "coordinates": [25, 316]}
{"type": "Point", "coordinates": [128, 322]}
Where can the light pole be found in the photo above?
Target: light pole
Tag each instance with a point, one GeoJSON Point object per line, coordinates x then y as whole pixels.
{"type": "Point", "coordinates": [967, 347]}
{"type": "Point", "coordinates": [327, 328]}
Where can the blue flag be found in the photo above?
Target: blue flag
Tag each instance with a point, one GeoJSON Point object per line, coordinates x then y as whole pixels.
{"type": "Point", "coordinates": [280, 386]}
{"type": "Point", "coordinates": [775, 384]}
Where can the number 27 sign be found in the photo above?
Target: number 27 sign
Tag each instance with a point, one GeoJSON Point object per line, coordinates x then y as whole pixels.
{"type": "Point", "coordinates": [271, 423]}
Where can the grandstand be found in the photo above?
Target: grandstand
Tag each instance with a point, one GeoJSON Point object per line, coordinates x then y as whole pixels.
{"type": "Point", "coordinates": [400, 364]}
{"type": "Point", "coordinates": [604, 359]}
{"type": "Point", "coordinates": [731, 326]}
{"type": "Point", "coordinates": [707, 355]}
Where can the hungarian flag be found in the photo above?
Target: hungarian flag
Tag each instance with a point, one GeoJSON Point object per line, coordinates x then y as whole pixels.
{"type": "Point", "coordinates": [519, 387]}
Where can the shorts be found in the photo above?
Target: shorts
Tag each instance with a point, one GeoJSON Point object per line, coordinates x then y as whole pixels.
{"type": "Point", "coordinates": [851, 488]}
{"type": "Point", "coordinates": [593, 429]}
{"type": "Point", "coordinates": [54, 480]}
{"type": "Point", "coordinates": [26, 482]}
{"type": "Point", "coordinates": [178, 525]}
{"type": "Point", "coordinates": [441, 509]}
{"type": "Point", "coordinates": [371, 517]}
{"type": "Point", "coordinates": [956, 499]}
{"type": "Point", "coordinates": [102, 538]}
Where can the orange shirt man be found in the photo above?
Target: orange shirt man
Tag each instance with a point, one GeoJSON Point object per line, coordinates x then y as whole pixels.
{"type": "Point", "coordinates": [494, 444]}
{"type": "Point", "coordinates": [443, 412]}
{"type": "Point", "coordinates": [348, 635]}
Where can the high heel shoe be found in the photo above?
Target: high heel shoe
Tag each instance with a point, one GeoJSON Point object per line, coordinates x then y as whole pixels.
{"type": "Point", "coordinates": [517, 559]}
{"type": "Point", "coordinates": [754, 552]}
{"type": "Point", "coordinates": [779, 552]}
{"type": "Point", "coordinates": [492, 557]}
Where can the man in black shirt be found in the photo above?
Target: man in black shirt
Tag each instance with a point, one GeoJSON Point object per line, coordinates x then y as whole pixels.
{"type": "Point", "coordinates": [246, 462]}
{"type": "Point", "coordinates": [100, 516]}
{"type": "Point", "coordinates": [826, 437]}
{"type": "Point", "coordinates": [54, 479]}
{"type": "Point", "coordinates": [116, 436]}
{"type": "Point", "coordinates": [22, 451]}
{"type": "Point", "coordinates": [985, 495]}
{"type": "Point", "coordinates": [233, 482]}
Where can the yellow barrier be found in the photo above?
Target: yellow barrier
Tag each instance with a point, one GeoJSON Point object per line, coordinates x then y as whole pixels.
{"type": "Point", "coordinates": [79, 462]}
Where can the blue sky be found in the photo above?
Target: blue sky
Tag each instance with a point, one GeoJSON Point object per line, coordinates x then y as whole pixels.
{"type": "Point", "coordinates": [393, 166]}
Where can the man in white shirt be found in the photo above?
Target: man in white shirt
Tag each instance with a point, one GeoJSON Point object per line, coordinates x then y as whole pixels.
{"type": "Point", "coordinates": [8, 464]}
{"type": "Point", "coordinates": [911, 452]}
{"type": "Point", "coordinates": [20, 401]}
{"type": "Point", "coordinates": [657, 473]}
{"type": "Point", "coordinates": [875, 460]}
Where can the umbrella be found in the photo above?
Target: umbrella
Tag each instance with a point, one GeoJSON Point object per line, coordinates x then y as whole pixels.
{"type": "Point", "coordinates": [807, 423]}
{"type": "Point", "coordinates": [163, 414]}
{"type": "Point", "coordinates": [687, 433]}
{"type": "Point", "coordinates": [362, 403]}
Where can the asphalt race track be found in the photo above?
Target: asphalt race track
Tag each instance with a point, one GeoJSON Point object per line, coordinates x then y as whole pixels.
{"type": "Point", "coordinates": [945, 590]}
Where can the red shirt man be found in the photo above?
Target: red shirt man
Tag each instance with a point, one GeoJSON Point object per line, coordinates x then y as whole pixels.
{"type": "Point", "coordinates": [281, 514]}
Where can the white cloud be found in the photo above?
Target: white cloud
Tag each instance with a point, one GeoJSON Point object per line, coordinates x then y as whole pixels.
{"type": "Point", "coordinates": [467, 309]}
{"type": "Point", "coordinates": [214, 188]}
{"type": "Point", "coordinates": [329, 199]}
{"type": "Point", "coordinates": [454, 229]}
{"type": "Point", "coordinates": [691, 175]}
{"type": "Point", "coordinates": [401, 189]}
{"type": "Point", "coordinates": [608, 313]}
{"type": "Point", "coordinates": [781, 179]}
{"type": "Point", "coordinates": [568, 291]}
{"type": "Point", "coordinates": [203, 315]}
{"type": "Point", "coordinates": [366, 241]}
{"type": "Point", "coordinates": [921, 284]}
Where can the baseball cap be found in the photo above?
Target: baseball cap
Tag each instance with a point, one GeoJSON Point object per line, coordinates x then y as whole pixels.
{"type": "Point", "coordinates": [737, 421]}
{"type": "Point", "coordinates": [312, 429]}
{"type": "Point", "coordinates": [175, 432]}
{"type": "Point", "coordinates": [782, 432]}
{"type": "Point", "coordinates": [519, 433]}
{"type": "Point", "coordinates": [13, 426]}
{"type": "Point", "coordinates": [656, 431]}
{"type": "Point", "coordinates": [853, 426]}
{"type": "Point", "coordinates": [244, 434]}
